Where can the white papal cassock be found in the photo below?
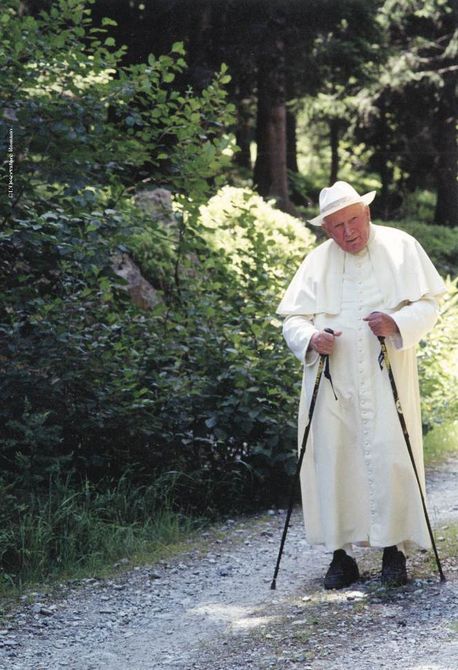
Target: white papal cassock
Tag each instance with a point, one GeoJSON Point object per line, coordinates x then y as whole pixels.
{"type": "Point", "coordinates": [357, 480]}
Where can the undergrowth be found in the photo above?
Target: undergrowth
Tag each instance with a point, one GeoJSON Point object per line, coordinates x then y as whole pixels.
{"type": "Point", "coordinates": [441, 442]}
{"type": "Point", "coordinates": [76, 532]}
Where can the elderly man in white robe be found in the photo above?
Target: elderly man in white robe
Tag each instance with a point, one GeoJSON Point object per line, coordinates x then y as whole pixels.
{"type": "Point", "coordinates": [357, 481]}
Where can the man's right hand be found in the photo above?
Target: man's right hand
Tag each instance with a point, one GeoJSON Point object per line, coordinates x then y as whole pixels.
{"type": "Point", "coordinates": [323, 342]}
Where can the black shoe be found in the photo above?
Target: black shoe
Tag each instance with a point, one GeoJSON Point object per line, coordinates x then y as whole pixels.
{"type": "Point", "coordinates": [342, 572]}
{"type": "Point", "coordinates": [394, 571]}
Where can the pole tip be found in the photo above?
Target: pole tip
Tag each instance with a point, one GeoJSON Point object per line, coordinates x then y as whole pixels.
{"type": "Point", "coordinates": [273, 586]}
{"type": "Point", "coordinates": [443, 578]}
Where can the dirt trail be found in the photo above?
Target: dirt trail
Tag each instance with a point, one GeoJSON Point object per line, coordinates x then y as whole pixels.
{"type": "Point", "coordinates": [211, 608]}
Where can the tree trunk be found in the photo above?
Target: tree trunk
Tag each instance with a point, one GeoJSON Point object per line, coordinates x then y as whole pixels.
{"type": "Point", "coordinates": [242, 137]}
{"type": "Point", "coordinates": [291, 141]}
{"type": "Point", "coordinates": [334, 141]}
{"type": "Point", "coordinates": [261, 175]}
{"type": "Point", "coordinates": [385, 172]}
{"type": "Point", "coordinates": [243, 131]}
{"type": "Point", "coordinates": [276, 131]}
{"type": "Point", "coordinates": [447, 158]}
{"type": "Point", "coordinates": [270, 173]}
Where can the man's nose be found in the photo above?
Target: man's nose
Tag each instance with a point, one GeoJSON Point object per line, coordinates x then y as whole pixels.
{"type": "Point", "coordinates": [348, 228]}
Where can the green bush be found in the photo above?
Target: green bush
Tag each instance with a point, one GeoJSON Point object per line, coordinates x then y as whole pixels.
{"type": "Point", "coordinates": [85, 374]}
{"type": "Point", "coordinates": [438, 364]}
{"type": "Point", "coordinates": [441, 442]}
{"type": "Point", "coordinates": [251, 251]}
{"type": "Point", "coordinates": [225, 375]}
{"type": "Point", "coordinates": [418, 206]}
{"type": "Point", "coordinates": [84, 123]}
{"type": "Point", "coordinates": [253, 236]}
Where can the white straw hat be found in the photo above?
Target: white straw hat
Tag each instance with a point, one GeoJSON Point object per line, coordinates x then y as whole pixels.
{"type": "Point", "coordinates": [338, 196]}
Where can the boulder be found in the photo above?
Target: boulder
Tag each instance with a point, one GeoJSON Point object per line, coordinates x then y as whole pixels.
{"type": "Point", "coordinates": [140, 290]}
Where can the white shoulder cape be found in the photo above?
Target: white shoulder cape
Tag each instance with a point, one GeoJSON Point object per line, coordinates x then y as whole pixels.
{"type": "Point", "coordinates": [402, 268]}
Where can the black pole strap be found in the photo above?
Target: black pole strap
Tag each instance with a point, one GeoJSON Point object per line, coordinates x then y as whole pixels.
{"type": "Point", "coordinates": [383, 358]}
{"type": "Point", "coordinates": [327, 374]}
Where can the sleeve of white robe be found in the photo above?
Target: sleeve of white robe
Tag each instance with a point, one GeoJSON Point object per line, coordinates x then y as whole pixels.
{"type": "Point", "coordinates": [414, 321]}
{"type": "Point", "coordinates": [297, 331]}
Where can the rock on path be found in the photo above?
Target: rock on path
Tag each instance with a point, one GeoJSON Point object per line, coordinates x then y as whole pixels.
{"type": "Point", "coordinates": [211, 608]}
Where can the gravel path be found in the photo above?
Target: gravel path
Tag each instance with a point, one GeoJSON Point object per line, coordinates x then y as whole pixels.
{"type": "Point", "coordinates": [211, 608]}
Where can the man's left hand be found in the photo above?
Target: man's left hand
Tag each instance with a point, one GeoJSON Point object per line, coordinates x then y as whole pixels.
{"type": "Point", "coordinates": [381, 324]}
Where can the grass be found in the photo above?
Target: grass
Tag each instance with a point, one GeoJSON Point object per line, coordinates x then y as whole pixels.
{"type": "Point", "coordinates": [448, 539]}
{"type": "Point", "coordinates": [78, 533]}
{"type": "Point", "coordinates": [441, 442]}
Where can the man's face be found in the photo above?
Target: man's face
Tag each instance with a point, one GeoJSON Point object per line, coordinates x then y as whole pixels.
{"type": "Point", "coordinates": [349, 227]}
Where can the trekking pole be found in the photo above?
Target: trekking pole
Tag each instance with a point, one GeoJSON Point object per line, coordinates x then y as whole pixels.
{"type": "Point", "coordinates": [383, 356]}
{"type": "Point", "coordinates": [324, 358]}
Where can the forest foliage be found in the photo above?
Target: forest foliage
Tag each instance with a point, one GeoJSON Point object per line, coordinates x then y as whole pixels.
{"type": "Point", "coordinates": [111, 411]}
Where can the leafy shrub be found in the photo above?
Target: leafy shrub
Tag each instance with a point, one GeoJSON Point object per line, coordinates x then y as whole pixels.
{"type": "Point", "coordinates": [441, 442]}
{"type": "Point", "coordinates": [251, 251]}
{"type": "Point", "coordinates": [82, 121]}
{"type": "Point", "coordinates": [84, 373]}
{"type": "Point", "coordinates": [242, 226]}
{"type": "Point", "coordinates": [418, 206]}
{"type": "Point", "coordinates": [95, 386]}
{"type": "Point", "coordinates": [438, 364]}
{"type": "Point", "coordinates": [225, 417]}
